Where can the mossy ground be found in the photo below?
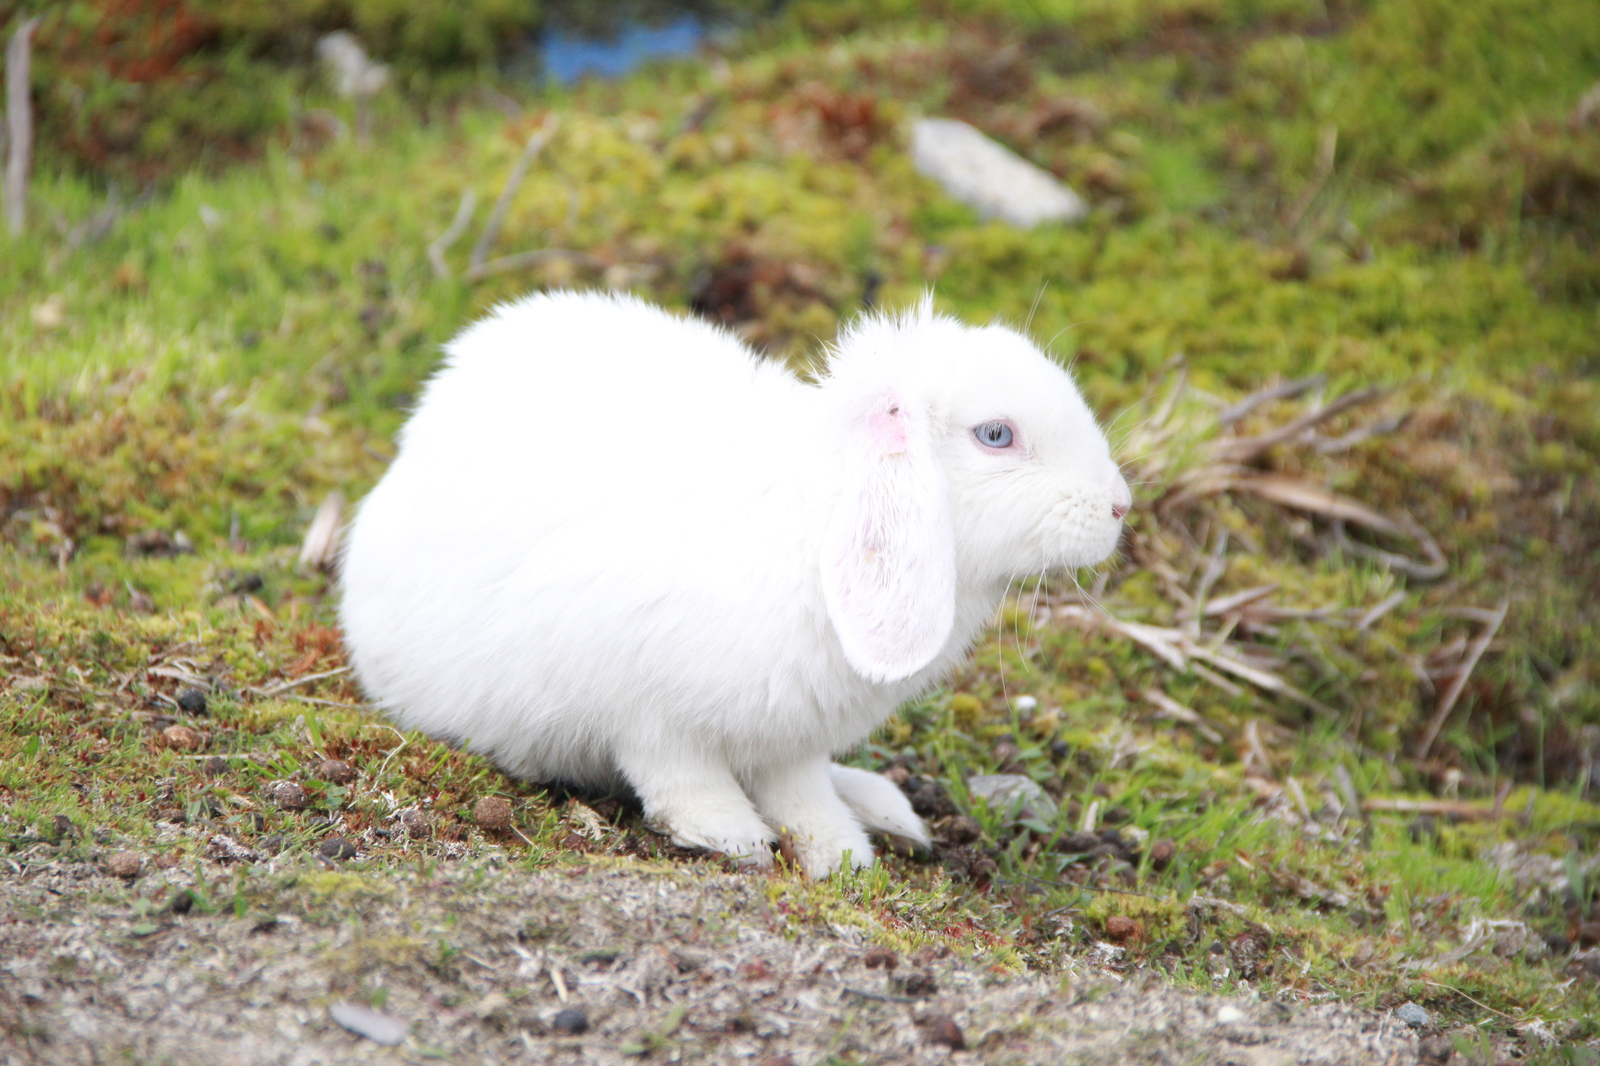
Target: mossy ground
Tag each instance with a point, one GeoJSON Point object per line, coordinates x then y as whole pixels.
{"type": "Point", "coordinates": [1388, 195]}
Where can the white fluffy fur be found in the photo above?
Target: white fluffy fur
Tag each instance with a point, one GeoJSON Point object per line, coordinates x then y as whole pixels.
{"type": "Point", "coordinates": [617, 548]}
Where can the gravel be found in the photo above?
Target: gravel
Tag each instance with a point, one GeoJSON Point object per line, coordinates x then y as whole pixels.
{"type": "Point", "coordinates": [481, 961]}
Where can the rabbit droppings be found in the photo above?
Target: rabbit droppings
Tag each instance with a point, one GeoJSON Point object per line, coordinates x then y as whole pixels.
{"type": "Point", "coordinates": [616, 547]}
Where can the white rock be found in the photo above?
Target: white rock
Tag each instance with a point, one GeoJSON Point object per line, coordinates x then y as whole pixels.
{"type": "Point", "coordinates": [376, 1026]}
{"type": "Point", "coordinates": [1228, 1015]}
{"type": "Point", "coordinates": [1006, 793]}
{"type": "Point", "coordinates": [990, 178]}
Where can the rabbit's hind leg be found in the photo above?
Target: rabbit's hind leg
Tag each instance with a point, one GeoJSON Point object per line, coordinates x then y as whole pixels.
{"type": "Point", "coordinates": [880, 806]}
{"type": "Point", "coordinates": [698, 804]}
{"type": "Point", "coordinates": [801, 799]}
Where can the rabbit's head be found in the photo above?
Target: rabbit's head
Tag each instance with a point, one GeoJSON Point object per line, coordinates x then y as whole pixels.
{"type": "Point", "coordinates": [969, 459]}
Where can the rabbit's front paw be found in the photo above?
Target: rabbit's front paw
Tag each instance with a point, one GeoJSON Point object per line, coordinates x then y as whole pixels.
{"type": "Point", "coordinates": [801, 801]}
{"type": "Point", "coordinates": [745, 840]}
{"type": "Point", "coordinates": [824, 853]}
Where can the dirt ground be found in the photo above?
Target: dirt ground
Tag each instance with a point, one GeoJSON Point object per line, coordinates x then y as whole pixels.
{"type": "Point", "coordinates": [475, 962]}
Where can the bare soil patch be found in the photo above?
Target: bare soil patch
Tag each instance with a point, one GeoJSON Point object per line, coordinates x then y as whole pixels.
{"type": "Point", "coordinates": [481, 962]}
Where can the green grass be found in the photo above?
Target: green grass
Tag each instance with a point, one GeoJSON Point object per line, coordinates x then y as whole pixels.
{"type": "Point", "coordinates": [240, 343]}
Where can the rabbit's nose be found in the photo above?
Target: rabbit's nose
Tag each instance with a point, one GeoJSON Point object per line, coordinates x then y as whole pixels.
{"type": "Point", "coordinates": [1121, 498]}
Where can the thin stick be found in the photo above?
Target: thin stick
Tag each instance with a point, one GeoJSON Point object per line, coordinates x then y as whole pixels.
{"type": "Point", "coordinates": [1356, 436]}
{"type": "Point", "coordinates": [1387, 604]}
{"type": "Point", "coordinates": [458, 225]}
{"type": "Point", "coordinates": [1459, 682]}
{"type": "Point", "coordinates": [1216, 566]}
{"type": "Point", "coordinates": [522, 260]}
{"type": "Point", "coordinates": [1287, 391]}
{"type": "Point", "coordinates": [1243, 449]}
{"type": "Point", "coordinates": [491, 232]}
{"type": "Point", "coordinates": [19, 124]}
{"type": "Point", "coordinates": [1463, 995]}
{"type": "Point", "coordinates": [1449, 808]}
{"type": "Point", "coordinates": [280, 689]}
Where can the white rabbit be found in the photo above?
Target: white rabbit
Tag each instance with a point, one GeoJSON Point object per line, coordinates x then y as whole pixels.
{"type": "Point", "coordinates": [616, 547]}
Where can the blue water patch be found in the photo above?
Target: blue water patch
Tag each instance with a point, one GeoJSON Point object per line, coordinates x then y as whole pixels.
{"type": "Point", "coordinates": [566, 58]}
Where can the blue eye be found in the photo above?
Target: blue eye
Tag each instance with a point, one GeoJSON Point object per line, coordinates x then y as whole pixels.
{"type": "Point", "coordinates": [993, 434]}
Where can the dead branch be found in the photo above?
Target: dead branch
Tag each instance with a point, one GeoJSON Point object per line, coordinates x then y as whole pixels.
{"type": "Point", "coordinates": [320, 548]}
{"type": "Point", "coordinates": [1304, 496]}
{"type": "Point", "coordinates": [1448, 701]}
{"type": "Point", "coordinates": [491, 231]}
{"type": "Point", "coordinates": [1286, 391]}
{"type": "Point", "coordinates": [19, 124]}
{"type": "Point", "coordinates": [1444, 808]}
{"type": "Point", "coordinates": [1255, 754]}
{"type": "Point", "coordinates": [1216, 566]}
{"type": "Point", "coordinates": [1246, 449]}
{"type": "Point", "coordinates": [1179, 649]}
{"type": "Point", "coordinates": [1171, 708]}
{"type": "Point", "coordinates": [1435, 566]}
{"type": "Point", "coordinates": [1225, 604]}
{"type": "Point", "coordinates": [1384, 606]}
{"type": "Point", "coordinates": [1374, 429]}
{"type": "Point", "coordinates": [458, 226]}
{"type": "Point", "coordinates": [522, 260]}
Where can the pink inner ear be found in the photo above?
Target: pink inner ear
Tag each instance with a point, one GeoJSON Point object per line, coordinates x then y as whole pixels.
{"type": "Point", "coordinates": [886, 428]}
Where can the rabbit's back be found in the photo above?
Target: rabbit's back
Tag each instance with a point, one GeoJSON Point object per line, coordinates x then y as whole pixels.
{"type": "Point", "coordinates": [579, 536]}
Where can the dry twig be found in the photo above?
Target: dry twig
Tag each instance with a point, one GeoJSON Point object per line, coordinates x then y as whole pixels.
{"type": "Point", "coordinates": [491, 231]}
{"type": "Point", "coordinates": [522, 260]}
{"type": "Point", "coordinates": [452, 233]}
{"type": "Point", "coordinates": [19, 124]}
{"type": "Point", "coordinates": [1245, 449]}
{"type": "Point", "coordinates": [1459, 682]}
{"type": "Point", "coordinates": [1286, 391]}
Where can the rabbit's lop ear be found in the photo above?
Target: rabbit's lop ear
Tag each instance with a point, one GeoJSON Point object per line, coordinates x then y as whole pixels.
{"type": "Point", "coordinates": [888, 558]}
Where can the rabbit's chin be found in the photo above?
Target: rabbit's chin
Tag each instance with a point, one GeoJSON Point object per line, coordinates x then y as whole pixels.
{"type": "Point", "coordinates": [1081, 537]}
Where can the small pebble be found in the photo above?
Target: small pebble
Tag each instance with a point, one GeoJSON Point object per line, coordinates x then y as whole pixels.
{"type": "Point", "coordinates": [1229, 1015]}
{"type": "Point", "coordinates": [1588, 934]}
{"type": "Point", "coordinates": [1162, 852]}
{"type": "Point", "coordinates": [915, 984]}
{"type": "Point", "coordinates": [1079, 843]}
{"type": "Point", "coordinates": [943, 1030]}
{"type": "Point", "coordinates": [216, 766]}
{"type": "Point", "coordinates": [962, 829]}
{"type": "Point", "coordinates": [181, 737]}
{"type": "Point", "coordinates": [493, 813]}
{"type": "Point", "coordinates": [288, 795]}
{"type": "Point", "coordinates": [417, 823]}
{"type": "Point", "coordinates": [1120, 927]}
{"type": "Point", "coordinates": [337, 848]}
{"type": "Point", "coordinates": [897, 775]}
{"type": "Point", "coordinates": [376, 1026]}
{"type": "Point", "coordinates": [192, 701]}
{"type": "Point", "coordinates": [64, 827]}
{"type": "Point", "coordinates": [1413, 1015]}
{"type": "Point", "coordinates": [125, 864]}
{"type": "Point", "coordinates": [570, 1020]}
{"type": "Point", "coordinates": [880, 957]}
{"type": "Point", "coordinates": [336, 771]}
